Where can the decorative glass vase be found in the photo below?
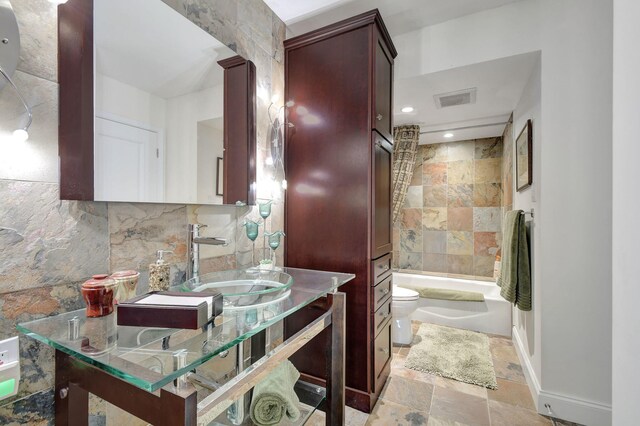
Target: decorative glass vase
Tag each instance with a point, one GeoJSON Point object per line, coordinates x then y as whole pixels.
{"type": "Point", "coordinates": [251, 229]}
{"type": "Point", "coordinates": [273, 238]}
{"type": "Point", "coordinates": [265, 209]}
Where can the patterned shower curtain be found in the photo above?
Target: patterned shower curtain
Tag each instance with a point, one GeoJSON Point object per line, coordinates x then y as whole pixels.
{"type": "Point", "coordinates": [405, 152]}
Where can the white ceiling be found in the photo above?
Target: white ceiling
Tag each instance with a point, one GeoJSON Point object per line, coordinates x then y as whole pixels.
{"type": "Point", "coordinates": [499, 83]}
{"type": "Point", "coordinates": [168, 56]}
{"type": "Point", "coordinates": [400, 16]}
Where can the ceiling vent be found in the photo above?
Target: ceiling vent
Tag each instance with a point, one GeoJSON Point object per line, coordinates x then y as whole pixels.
{"type": "Point", "coordinates": [460, 97]}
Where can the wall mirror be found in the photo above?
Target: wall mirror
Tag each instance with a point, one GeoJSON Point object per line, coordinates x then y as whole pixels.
{"type": "Point", "coordinates": [146, 115]}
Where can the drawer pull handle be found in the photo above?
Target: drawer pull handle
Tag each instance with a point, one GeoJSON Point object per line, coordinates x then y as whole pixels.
{"type": "Point", "coordinates": [385, 291]}
{"type": "Point", "coordinates": [379, 117]}
{"type": "Point", "coordinates": [385, 315]}
{"type": "Point", "coordinates": [385, 351]}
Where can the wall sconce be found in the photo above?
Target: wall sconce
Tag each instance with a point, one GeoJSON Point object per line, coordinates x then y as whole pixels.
{"type": "Point", "coordinates": [275, 160]}
{"type": "Point", "coordinates": [9, 54]}
{"type": "Point", "coordinates": [22, 134]}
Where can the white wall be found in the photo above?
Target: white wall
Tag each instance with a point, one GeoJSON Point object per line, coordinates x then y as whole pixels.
{"type": "Point", "coordinates": [575, 214]}
{"type": "Point", "coordinates": [126, 101]}
{"type": "Point", "coordinates": [183, 114]}
{"type": "Point", "coordinates": [626, 205]}
{"type": "Point", "coordinates": [527, 325]}
{"type": "Point", "coordinates": [210, 147]}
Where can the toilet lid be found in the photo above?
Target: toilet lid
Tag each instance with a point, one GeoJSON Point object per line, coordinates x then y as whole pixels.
{"type": "Point", "coordinates": [400, 293]}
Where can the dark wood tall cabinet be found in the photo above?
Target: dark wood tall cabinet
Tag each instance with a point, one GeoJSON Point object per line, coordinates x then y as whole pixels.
{"type": "Point", "coordinates": [338, 204]}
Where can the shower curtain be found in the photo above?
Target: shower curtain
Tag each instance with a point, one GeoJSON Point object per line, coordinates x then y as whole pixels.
{"type": "Point", "coordinates": [405, 152]}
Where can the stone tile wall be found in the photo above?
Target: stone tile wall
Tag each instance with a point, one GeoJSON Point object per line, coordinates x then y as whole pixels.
{"type": "Point", "coordinates": [451, 221]}
{"type": "Point", "coordinates": [49, 247]}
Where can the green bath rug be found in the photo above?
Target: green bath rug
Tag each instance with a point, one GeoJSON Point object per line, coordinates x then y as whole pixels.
{"type": "Point", "coordinates": [457, 354]}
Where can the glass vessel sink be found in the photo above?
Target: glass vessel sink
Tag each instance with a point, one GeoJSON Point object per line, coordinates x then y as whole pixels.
{"type": "Point", "coordinates": [245, 288]}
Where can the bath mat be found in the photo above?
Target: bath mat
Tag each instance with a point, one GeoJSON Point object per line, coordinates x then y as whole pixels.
{"type": "Point", "coordinates": [457, 354]}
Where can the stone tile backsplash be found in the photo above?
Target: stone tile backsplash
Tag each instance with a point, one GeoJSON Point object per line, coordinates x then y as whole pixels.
{"type": "Point", "coordinates": [451, 222]}
{"type": "Point", "coordinates": [137, 231]}
{"type": "Point", "coordinates": [45, 241]}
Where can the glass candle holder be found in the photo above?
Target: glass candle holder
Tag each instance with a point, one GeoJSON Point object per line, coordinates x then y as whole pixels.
{"type": "Point", "coordinates": [273, 240]}
{"type": "Point", "coordinates": [265, 209]}
{"type": "Point", "coordinates": [251, 229]}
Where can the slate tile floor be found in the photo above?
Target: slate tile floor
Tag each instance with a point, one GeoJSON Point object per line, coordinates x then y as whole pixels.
{"type": "Point", "coordinates": [413, 398]}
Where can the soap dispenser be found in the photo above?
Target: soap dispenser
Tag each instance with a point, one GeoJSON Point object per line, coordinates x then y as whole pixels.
{"type": "Point", "coordinates": [159, 272]}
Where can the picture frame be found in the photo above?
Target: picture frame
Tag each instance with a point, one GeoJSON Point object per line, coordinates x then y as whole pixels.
{"type": "Point", "coordinates": [524, 157]}
{"type": "Point", "coordinates": [220, 176]}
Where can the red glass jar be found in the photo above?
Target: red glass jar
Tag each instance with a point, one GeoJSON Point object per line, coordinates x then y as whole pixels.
{"type": "Point", "coordinates": [98, 293]}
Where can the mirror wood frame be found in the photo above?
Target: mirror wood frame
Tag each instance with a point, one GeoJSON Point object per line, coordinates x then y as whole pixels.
{"type": "Point", "coordinates": [76, 112]}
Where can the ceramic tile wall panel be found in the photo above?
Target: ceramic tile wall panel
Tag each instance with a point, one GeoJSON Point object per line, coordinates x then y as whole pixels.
{"type": "Point", "coordinates": [45, 241]}
{"type": "Point", "coordinates": [137, 231]}
{"type": "Point", "coordinates": [36, 359]}
{"type": "Point", "coordinates": [38, 23]}
{"type": "Point", "coordinates": [460, 187]}
{"type": "Point", "coordinates": [33, 409]}
{"type": "Point", "coordinates": [49, 246]}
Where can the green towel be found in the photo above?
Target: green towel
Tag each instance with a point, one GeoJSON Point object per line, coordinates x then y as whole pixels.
{"type": "Point", "coordinates": [447, 294]}
{"type": "Point", "coordinates": [274, 397]}
{"type": "Point", "coordinates": [515, 273]}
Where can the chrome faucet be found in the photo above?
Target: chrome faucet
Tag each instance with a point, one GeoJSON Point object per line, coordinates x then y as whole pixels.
{"type": "Point", "coordinates": [193, 248]}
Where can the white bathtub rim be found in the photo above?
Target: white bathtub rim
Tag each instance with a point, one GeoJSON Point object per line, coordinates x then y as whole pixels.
{"type": "Point", "coordinates": [490, 290]}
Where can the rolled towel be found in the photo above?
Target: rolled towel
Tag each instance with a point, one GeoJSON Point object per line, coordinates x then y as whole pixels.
{"type": "Point", "coordinates": [447, 294]}
{"type": "Point", "coordinates": [274, 397]}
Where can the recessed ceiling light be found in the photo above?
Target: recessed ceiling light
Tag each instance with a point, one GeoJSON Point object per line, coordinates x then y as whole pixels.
{"type": "Point", "coordinates": [448, 135]}
{"type": "Point", "coordinates": [407, 109]}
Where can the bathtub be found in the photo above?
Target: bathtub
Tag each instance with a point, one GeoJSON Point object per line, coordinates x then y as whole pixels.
{"type": "Point", "coordinates": [491, 316]}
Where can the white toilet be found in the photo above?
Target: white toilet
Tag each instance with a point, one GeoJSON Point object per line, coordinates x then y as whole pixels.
{"type": "Point", "coordinates": [404, 302]}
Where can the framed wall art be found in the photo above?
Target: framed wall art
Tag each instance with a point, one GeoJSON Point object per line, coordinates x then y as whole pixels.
{"type": "Point", "coordinates": [524, 157]}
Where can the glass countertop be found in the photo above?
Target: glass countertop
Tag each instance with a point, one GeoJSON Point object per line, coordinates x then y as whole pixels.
{"type": "Point", "coordinates": [144, 357]}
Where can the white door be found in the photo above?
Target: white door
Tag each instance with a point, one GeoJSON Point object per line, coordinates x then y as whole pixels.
{"type": "Point", "coordinates": [128, 163]}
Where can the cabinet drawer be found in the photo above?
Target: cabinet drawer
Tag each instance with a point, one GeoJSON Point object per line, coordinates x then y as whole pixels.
{"type": "Point", "coordinates": [381, 355]}
{"type": "Point", "coordinates": [381, 292]}
{"type": "Point", "coordinates": [381, 316]}
{"type": "Point", "coordinates": [381, 268]}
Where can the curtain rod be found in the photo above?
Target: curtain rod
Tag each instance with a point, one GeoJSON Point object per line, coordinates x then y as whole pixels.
{"type": "Point", "coordinates": [464, 128]}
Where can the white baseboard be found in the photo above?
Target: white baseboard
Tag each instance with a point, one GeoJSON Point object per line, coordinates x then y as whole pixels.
{"type": "Point", "coordinates": [527, 368]}
{"type": "Point", "coordinates": [560, 406]}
